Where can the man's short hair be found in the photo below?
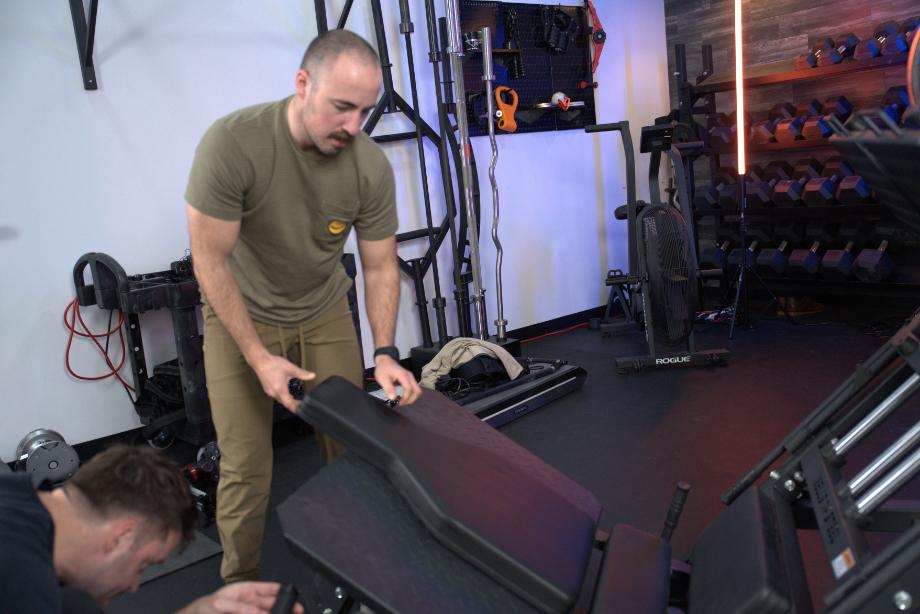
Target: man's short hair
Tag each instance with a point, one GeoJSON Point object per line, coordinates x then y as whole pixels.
{"type": "Point", "coordinates": [328, 46]}
{"type": "Point", "coordinates": [138, 481]}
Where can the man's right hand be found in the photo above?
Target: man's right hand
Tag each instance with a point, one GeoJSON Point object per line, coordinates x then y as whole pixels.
{"type": "Point", "coordinates": [239, 598]}
{"type": "Point", "coordinates": [274, 373]}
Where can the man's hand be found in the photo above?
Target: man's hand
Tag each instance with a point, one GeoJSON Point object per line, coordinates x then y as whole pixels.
{"type": "Point", "coordinates": [389, 374]}
{"type": "Point", "coordinates": [239, 598]}
{"type": "Point", "coordinates": [274, 373]}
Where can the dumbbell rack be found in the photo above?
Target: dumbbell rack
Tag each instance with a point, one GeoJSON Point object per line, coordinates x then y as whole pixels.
{"type": "Point", "coordinates": [698, 98]}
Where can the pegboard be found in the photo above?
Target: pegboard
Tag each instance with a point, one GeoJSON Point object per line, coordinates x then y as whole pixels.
{"type": "Point", "coordinates": [546, 70]}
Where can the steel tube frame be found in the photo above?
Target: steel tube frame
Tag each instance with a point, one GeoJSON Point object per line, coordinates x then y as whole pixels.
{"type": "Point", "coordinates": [455, 52]}
{"type": "Point", "coordinates": [865, 426]}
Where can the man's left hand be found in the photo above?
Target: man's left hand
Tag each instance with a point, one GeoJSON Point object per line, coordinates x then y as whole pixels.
{"type": "Point", "coordinates": [389, 374]}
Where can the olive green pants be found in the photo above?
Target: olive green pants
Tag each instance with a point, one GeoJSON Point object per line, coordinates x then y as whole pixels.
{"type": "Point", "coordinates": [242, 414]}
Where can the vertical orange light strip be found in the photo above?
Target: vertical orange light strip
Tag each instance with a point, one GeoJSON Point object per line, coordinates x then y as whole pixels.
{"type": "Point", "coordinates": [739, 90]}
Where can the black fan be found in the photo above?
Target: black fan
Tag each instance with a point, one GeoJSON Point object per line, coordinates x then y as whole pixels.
{"type": "Point", "coordinates": [671, 269]}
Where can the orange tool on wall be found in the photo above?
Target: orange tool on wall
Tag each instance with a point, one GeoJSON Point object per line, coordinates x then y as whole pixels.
{"type": "Point", "coordinates": [505, 110]}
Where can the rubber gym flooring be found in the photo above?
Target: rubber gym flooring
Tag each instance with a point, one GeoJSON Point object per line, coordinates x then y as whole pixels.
{"type": "Point", "coordinates": [630, 438]}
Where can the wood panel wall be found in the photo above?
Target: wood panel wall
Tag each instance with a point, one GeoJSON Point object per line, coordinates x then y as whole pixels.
{"type": "Point", "coordinates": [779, 30]}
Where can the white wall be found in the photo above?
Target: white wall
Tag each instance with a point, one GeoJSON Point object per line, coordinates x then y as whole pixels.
{"type": "Point", "coordinates": [106, 170]}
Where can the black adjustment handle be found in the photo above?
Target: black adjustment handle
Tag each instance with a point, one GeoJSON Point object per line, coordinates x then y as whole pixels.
{"type": "Point", "coordinates": [674, 511]}
{"type": "Point", "coordinates": [285, 600]}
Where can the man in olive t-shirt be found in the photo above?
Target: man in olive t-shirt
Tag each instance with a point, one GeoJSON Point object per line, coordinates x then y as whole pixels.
{"type": "Point", "coordinates": [273, 193]}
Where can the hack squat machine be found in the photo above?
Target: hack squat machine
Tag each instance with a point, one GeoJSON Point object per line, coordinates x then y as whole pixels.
{"type": "Point", "coordinates": [465, 520]}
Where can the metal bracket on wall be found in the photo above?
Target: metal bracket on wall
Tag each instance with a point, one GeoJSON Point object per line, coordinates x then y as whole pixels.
{"type": "Point", "coordinates": [85, 32]}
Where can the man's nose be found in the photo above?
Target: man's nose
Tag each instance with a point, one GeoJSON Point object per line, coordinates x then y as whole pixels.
{"type": "Point", "coordinates": [353, 123]}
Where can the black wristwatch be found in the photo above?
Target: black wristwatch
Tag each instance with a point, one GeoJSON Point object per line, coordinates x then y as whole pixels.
{"type": "Point", "coordinates": [390, 350]}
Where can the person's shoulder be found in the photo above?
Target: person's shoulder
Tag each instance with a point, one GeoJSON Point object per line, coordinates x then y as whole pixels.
{"type": "Point", "coordinates": [16, 484]}
{"type": "Point", "coordinates": [257, 119]}
{"type": "Point", "coordinates": [368, 152]}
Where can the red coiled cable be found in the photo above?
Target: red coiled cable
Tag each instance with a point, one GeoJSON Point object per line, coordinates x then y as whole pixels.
{"type": "Point", "coordinates": [73, 310]}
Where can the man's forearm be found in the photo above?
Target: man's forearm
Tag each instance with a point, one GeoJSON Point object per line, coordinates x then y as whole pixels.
{"type": "Point", "coordinates": [218, 284]}
{"type": "Point", "coordinates": [381, 298]}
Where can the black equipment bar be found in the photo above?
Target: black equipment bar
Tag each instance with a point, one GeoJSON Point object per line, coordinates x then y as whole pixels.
{"type": "Point", "coordinates": [85, 32]}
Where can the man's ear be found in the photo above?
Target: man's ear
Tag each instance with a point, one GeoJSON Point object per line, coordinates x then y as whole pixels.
{"type": "Point", "coordinates": [302, 83]}
{"type": "Point", "coordinates": [120, 535]}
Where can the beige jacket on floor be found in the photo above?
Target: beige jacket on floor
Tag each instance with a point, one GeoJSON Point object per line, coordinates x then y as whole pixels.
{"type": "Point", "coordinates": [461, 350]}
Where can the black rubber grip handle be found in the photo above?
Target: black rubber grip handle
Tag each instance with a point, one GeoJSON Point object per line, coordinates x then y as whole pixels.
{"type": "Point", "coordinates": [285, 600]}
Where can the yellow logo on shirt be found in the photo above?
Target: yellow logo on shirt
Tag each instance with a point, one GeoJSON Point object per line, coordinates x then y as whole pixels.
{"type": "Point", "coordinates": [336, 227]}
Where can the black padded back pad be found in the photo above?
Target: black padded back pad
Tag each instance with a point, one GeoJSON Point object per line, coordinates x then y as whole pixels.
{"type": "Point", "coordinates": [486, 498]}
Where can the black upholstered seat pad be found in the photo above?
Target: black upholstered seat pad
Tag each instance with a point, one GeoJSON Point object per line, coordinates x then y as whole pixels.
{"type": "Point", "coordinates": [349, 522]}
{"type": "Point", "coordinates": [489, 500]}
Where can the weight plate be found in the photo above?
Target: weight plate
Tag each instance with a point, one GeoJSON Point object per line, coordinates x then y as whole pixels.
{"type": "Point", "coordinates": [54, 461]}
{"type": "Point", "coordinates": [34, 439]}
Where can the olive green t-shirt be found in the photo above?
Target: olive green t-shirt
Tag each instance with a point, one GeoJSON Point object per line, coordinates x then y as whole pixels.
{"type": "Point", "coordinates": [295, 208]}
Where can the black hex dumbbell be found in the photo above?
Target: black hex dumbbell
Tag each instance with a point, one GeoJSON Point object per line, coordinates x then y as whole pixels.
{"type": "Point", "coordinates": [874, 264]}
{"type": "Point", "coordinates": [706, 228]}
{"type": "Point", "coordinates": [823, 190]}
{"type": "Point", "coordinates": [782, 110]}
{"type": "Point", "coordinates": [895, 101]}
{"type": "Point", "coordinates": [722, 132]}
{"type": "Point", "coordinates": [900, 43]}
{"type": "Point", "coordinates": [884, 231]}
{"type": "Point", "coordinates": [789, 192]}
{"type": "Point", "coordinates": [789, 130]}
{"type": "Point", "coordinates": [723, 183]}
{"type": "Point", "coordinates": [813, 57]}
{"type": "Point", "coordinates": [805, 262]}
{"type": "Point", "coordinates": [735, 256]}
{"type": "Point", "coordinates": [854, 190]}
{"type": "Point", "coordinates": [760, 193]}
{"type": "Point", "coordinates": [819, 126]}
{"type": "Point", "coordinates": [733, 119]}
{"type": "Point", "coordinates": [792, 129]}
{"type": "Point", "coordinates": [837, 264]}
{"type": "Point", "coordinates": [791, 230]}
{"type": "Point", "coordinates": [761, 231]}
{"type": "Point", "coordinates": [763, 132]}
{"type": "Point", "coordinates": [872, 47]}
{"type": "Point", "coordinates": [853, 230]}
{"type": "Point", "coordinates": [822, 231]}
{"type": "Point", "coordinates": [728, 187]}
{"type": "Point", "coordinates": [845, 47]}
{"type": "Point", "coordinates": [911, 27]}
{"type": "Point", "coordinates": [715, 257]}
{"type": "Point", "coordinates": [772, 261]}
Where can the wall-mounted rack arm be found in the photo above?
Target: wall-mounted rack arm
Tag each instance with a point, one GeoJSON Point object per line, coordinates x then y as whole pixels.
{"type": "Point", "coordinates": [85, 32]}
